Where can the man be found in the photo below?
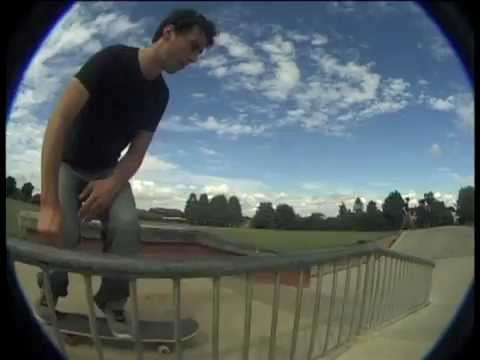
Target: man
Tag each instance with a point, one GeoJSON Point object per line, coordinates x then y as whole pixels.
{"type": "Point", "coordinates": [115, 100]}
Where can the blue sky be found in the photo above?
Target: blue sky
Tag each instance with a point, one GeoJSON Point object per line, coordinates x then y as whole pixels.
{"type": "Point", "coordinates": [304, 103]}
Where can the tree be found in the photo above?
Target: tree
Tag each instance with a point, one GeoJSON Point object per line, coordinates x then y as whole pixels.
{"type": "Point", "coordinates": [358, 206]}
{"type": "Point", "coordinates": [234, 211]}
{"type": "Point", "coordinates": [11, 186]}
{"type": "Point", "coordinates": [26, 192]}
{"type": "Point", "coordinates": [219, 211]}
{"type": "Point", "coordinates": [466, 205]}
{"type": "Point", "coordinates": [393, 209]}
{"type": "Point", "coordinates": [372, 209]}
{"type": "Point", "coordinates": [191, 209]}
{"type": "Point", "coordinates": [316, 221]}
{"type": "Point", "coordinates": [36, 199]}
{"type": "Point", "coordinates": [203, 210]}
{"type": "Point", "coordinates": [264, 217]}
{"type": "Point", "coordinates": [342, 211]}
{"type": "Point", "coordinates": [284, 217]}
{"type": "Point", "coordinates": [422, 216]}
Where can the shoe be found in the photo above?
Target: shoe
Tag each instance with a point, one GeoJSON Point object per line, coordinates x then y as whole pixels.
{"type": "Point", "coordinates": [43, 311]}
{"type": "Point", "coordinates": [117, 321]}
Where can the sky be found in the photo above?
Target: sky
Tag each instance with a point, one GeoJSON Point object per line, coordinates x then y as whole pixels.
{"type": "Point", "coordinates": [304, 103]}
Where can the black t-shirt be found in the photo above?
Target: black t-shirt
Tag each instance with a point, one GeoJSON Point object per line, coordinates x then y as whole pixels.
{"type": "Point", "coordinates": [121, 103]}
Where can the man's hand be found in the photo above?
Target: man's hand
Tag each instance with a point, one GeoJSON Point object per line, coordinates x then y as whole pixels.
{"type": "Point", "coordinates": [96, 198]}
{"type": "Point", "coordinates": [50, 224]}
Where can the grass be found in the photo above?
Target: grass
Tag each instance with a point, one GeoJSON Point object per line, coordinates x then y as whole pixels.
{"type": "Point", "coordinates": [292, 241]}
{"type": "Point", "coordinates": [13, 207]}
{"type": "Point", "coordinates": [286, 241]}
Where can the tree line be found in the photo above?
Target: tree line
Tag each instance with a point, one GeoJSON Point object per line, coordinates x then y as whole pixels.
{"type": "Point", "coordinates": [217, 211]}
{"type": "Point", "coordinates": [25, 193]}
{"type": "Point", "coordinates": [223, 212]}
{"type": "Point", "coordinates": [394, 214]}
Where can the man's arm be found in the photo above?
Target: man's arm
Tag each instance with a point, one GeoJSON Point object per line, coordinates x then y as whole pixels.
{"type": "Point", "coordinates": [130, 163]}
{"type": "Point", "coordinates": [98, 194]}
{"type": "Point", "coordinates": [74, 98]}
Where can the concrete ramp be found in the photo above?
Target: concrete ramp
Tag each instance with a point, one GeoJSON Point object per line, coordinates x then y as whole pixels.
{"type": "Point", "coordinates": [438, 243]}
{"type": "Point", "coordinates": [452, 249]}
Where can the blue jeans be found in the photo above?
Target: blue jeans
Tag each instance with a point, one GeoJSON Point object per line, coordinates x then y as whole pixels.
{"type": "Point", "coordinates": [121, 230]}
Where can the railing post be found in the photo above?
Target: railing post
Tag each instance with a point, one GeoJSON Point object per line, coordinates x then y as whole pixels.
{"type": "Point", "coordinates": [331, 308]}
{"type": "Point", "coordinates": [248, 315]}
{"type": "Point", "coordinates": [136, 319]}
{"type": "Point", "coordinates": [51, 306]}
{"type": "Point", "coordinates": [357, 295]}
{"type": "Point", "coordinates": [318, 295]}
{"type": "Point", "coordinates": [216, 318]}
{"type": "Point", "coordinates": [273, 329]}
{"type": "Point", "coordinates": [373, 310]}
{"type": "Point", "coordinates": [176, 306]}
{"type": "Point", "coordinates": [386, 293]}
{"type": "Point", "coordinates": [298, 308]}
{"type": "Point", "coordinates": [91, 316]}
{"type": "Point", "coordinates": [369, 272]}
{"type": "Point", "coordinates": [345, 300]}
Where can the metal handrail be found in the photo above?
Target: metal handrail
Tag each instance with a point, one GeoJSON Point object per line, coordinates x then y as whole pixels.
{"type": "Point", "coordinates": [208, 266]}
{"type": "Point", "coordinates": [372, 298]}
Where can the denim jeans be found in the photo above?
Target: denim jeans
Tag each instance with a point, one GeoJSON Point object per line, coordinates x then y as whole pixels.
{"type": "Point", "coordinates": [121, 230]}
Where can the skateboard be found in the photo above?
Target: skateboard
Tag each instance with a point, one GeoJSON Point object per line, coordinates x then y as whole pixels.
{"type": "Point", "coordinates": [75, 326]}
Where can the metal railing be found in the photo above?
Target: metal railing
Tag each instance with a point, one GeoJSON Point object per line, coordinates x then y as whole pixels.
{"type": "Point", "coordinates": [388, 286]}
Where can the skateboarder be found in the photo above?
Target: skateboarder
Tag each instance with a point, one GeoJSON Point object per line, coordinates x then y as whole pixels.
{"type": "Point", "coordinates": [115, 100]}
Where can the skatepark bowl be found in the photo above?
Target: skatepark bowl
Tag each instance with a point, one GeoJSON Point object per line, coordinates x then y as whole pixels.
{"type": "Point", "coordinates": [250, 304]}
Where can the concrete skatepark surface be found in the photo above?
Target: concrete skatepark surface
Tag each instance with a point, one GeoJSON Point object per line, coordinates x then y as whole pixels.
{"type": "Point", "coordinates": [452, 249]}
{"type": "Point", "coordinates": [409, 338]}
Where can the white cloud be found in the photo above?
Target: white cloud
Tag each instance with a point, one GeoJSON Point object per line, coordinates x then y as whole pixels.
{"type": "Point", "coordinates": [423, 82]}
{"type": "Point", "coordinates": [442, 104]}
{"type": "Point", "coordinates": [312, 186]}
{"type": "Point", "coordinates": [227, 127]}
{"type": "Point", "coordinates": [436, 150]}
{"type": "Point", "coordinates": [23, 142]}
{"type": "Point", "coordinates": [250, 68]}
{"type": "Point", "coordinates": [212, 61]}
{"type": "Point", "coordinates": [319, 39]}
{"type": "Point", "coordinates": [462, 105]}
{"type": "Point", "coordinates": [440, 48]}
{"type": "Point", "coordinates": [234, 45]}
{"type": "Point", "coordinates": [216, 189]}
{"type": "Point", "coordinates": [154, 163]}
{"type": "Point", "coordinates": [179, 123]}
{"type": "Point", "coordinates": [287, 74]}
{"type": "Point", "coordinates": [199, 95]}
{"type": "Point", "coordinates": [296, 36]}
{"type": "Point", "coordinates": [208, 152]}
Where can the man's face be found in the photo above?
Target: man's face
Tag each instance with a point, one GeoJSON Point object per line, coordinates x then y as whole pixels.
{"type": "Point", "coordinates": [183, 48]}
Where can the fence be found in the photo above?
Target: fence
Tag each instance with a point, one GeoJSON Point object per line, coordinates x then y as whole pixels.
{"type": "Point", "coordinates": [386, 286]}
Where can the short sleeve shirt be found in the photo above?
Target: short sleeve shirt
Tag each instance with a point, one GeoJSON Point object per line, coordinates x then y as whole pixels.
{"type": "Point", "coordinates": [121, 103]}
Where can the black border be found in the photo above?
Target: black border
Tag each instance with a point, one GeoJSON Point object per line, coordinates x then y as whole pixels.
{"type": "Point", "coordinates": [30, 25]}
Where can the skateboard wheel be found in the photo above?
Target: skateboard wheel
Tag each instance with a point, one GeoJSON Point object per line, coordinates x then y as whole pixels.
{"type": "Point", "coordinates": [163, 349]}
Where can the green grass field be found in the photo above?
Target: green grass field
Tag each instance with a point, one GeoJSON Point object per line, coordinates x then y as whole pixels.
{"type": "Point", "coordinates": [286, 241]}
{"type": "Point", "coordinates": [292, 241]}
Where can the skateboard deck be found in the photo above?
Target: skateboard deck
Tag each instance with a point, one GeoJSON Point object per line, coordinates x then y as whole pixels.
{"type": "Point", "coordinates": [162, 332]}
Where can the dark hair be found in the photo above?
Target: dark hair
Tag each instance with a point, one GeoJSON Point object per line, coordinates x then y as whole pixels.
{"type": "Point", "coordinates": [184, 20]}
